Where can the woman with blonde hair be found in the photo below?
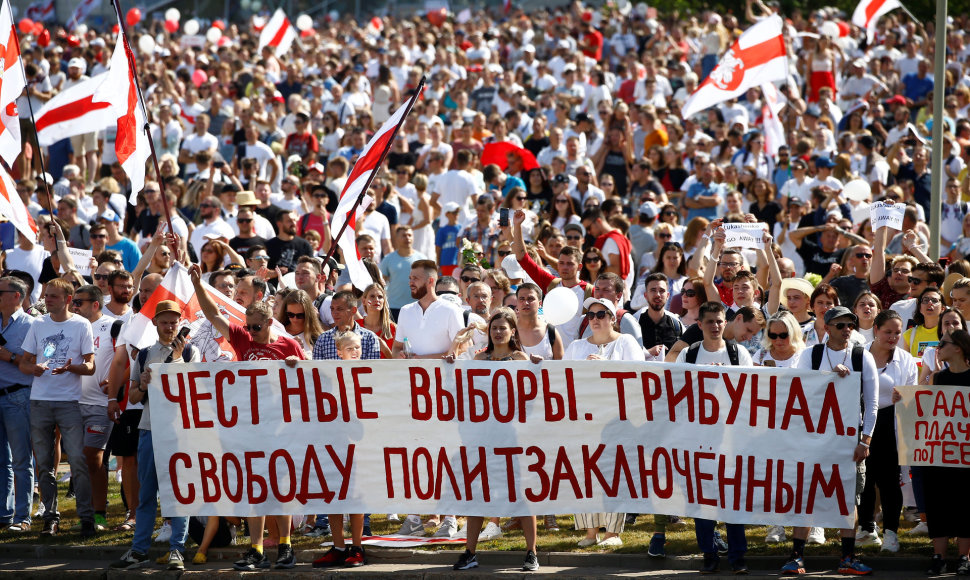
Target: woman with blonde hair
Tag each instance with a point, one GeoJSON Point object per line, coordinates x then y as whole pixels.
{"type": "Point", "coordinates": [781, 343]}
{"type": "Point", "coordinates": [422, 216]}
{"type": "Point", "coordinates": [377, 316]}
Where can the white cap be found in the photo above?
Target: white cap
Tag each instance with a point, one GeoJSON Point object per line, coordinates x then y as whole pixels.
{"type": "Point", "coordinates": [78, 63]}
{"type": "Point", "coordinates": [606, 303]}
{"type": "Point", "coordinates": [528, 48]}
{"type": "Point", "coordinates": [450, 207]}
{"type": "Point", "coordinates": [513, 269]}
{"type": "Point", "coordinates": [109, 216]}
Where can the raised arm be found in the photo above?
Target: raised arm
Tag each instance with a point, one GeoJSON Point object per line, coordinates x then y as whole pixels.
{"type": "Point", "coordinates": [774, 275]}
{"type": "Point", "coordinates": [877, 270]}
{"type": "Point", "coordinates": [208, 305]}
{"type": "Point", "coordinates": [796, 236]}
{"type": "Point", "coordinates": [711, 269]}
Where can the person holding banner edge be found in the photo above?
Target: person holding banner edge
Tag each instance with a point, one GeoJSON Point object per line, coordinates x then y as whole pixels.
{"type": "Point", "coordinates": [834, 355]}
{"type": "Point", "coordinates": [257, 341]}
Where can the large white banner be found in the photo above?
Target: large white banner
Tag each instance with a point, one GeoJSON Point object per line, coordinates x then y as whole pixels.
{"type": "Point", "coordinates": [765, 446]}
{"type": "Point", "coordinates": [931, 426]}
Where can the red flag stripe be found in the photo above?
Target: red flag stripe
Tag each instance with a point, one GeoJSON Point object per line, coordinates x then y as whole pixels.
{"type": "Point", "coordinates": [70, 112]}
{"type": "Point", "coordinates": [758, 54]}
{"type": "Point", "coordinates": [278, 37]}
{"type": "Point", "coordinates": [126, 140]}
{"type": "Point", "coordinates": [872, 8]}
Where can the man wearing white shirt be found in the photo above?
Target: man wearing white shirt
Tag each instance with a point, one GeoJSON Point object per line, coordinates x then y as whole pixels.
{"type": "Point", "coordinates": [555, 148]}
{"type": "Point", "coordinates": [428, 324]}
{"type": "Point", "coordinates": [269, 164]}
{"type": "Point", "coordinates": [823, 178]}
{"type": "Point", "coordinates": [212, 223]}
{"type": "Point", "coordinates": [800, 185]}
{"type": "Point", "coordinates": [262, 226]}
{"type": "Point", "coordinates": [457, 185]}
{"type": "Point", "coordinates": [583, 189]}
{"type": "Point", "coordinates": [199, 140]}
{"type": "Point", "coordinates": [167, 133]}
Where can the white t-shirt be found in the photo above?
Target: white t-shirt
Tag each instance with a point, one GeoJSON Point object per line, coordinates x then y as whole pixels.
{"type": "Point", "coordinates": [429, 331]}
{"type": "Point", "coordinates": [91, 392]}
{"type": "Point", "coordinates": [218, 227]}
{"type": "Point", "coordinates": [717, 358]}
{"type": "Point", "coordinates": [30, 261]}
{"type": "Point", "coordinates": [379, 228]}
{"type": "Point", "coordinates": [193, 143]}
{"type": "Point", "coordinates": [54, 343]}
{"type": "Point", "coordinates": [457, 186]}
{"type": "Point", "coordinates": [623, 348]}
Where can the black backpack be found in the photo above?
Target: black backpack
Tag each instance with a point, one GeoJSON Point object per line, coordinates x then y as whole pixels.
{"type": "Point", "coordinates": [732, 350]}
{"type": "Point", "coordinates": [856, 357]}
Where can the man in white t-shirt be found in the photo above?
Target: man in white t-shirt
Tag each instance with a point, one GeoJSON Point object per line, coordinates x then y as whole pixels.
{"type": "Point", "coordinates": [457, 185]}
{"type": "Point", "coordinates": [429, 324]}
{"type": "Point", "coordinates": [58, 351]}
{"type": "Point", "coordinates": [268, 162]}
{"type": "Point", "coordinates": [714, 350]}
{"type": "Point", "coordinates": [94, 402]}
{"type": "Point", "coordinates": [198, 140]}
{"type": "Point", "coordinates": [212, 224]}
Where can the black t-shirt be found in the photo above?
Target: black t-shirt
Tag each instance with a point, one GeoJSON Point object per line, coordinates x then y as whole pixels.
{"type": "Point", "coordinates": [287, 254]}
{"type": "Point", "coordinates": [535, 145]}
{"type": "Point", "coordinates": [396, 159]}
{"type": "Point", "coordinates": [948, 377]}
{"type": "Point", "coordinates": [666, 332]}
{"type": "Point", "coordinates": [692, 334]}
{"type": "Point", "coordinates": [849, 288]}
{"type": "Point", "coordinates": [147, 223]}
{"type": "Point", "coordinates": [768, 214]}
{"type": "Point", "coordinates": [921, 185]}
{"type": "Point", "coordinates": [242, 245]}
{"type": "Point", "coordinates": [818, 261]}
{"type": "Point", "coordinates": [615, 165]}
{"type": "Point", "coordinates": [269, 212]}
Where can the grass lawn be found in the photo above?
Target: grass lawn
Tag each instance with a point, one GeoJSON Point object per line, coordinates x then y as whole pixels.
{"type": "Point", "coordinates": [680, 541]}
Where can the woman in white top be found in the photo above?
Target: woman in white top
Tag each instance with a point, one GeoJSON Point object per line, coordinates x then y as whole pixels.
{"type": "Point", "coordinates": [605, 344]}
{"type": "Point", "coordinates": [539, 339]}
{"type": "Point", "coordinates": [563, 211]}
{"type": "Point", "coordinates": [421, 217]}
{"type": "Point", "coordinates": [950, 320]}
{"type": "Point", "coordinates": [782, 342]}
{"type": "Point", "coordinates": [896, 367]}
{"type": "Point", "coordinates": [333, 134]}
{"type": "Point", "coordinates": [866, 307]}
{"type": "Point", "coordinates": [301, 320]}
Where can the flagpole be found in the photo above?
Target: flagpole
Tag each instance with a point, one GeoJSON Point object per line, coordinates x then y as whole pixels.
{"type": "Point", "coordinates": [373, 174]}
{"type": "Point", "coordinates": [33, 123]}
{"type": "Point", "coordinates": [123, 31]}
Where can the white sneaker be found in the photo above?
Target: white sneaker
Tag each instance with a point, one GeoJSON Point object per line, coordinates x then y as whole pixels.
{"type": "Point", "coordinates": [164, 533]}
{"type": "Point", "coordinates": [412, 526]}
{"type": "Point", "coordinates": [611, 542]}
{"type": "Point", "coordinates": [890, 541]}
{"type": "Point", "coordinates": [491, 532]}
{"type": "Point", "coordinates": [919, 529]}
{"type": "Point", "coordinates": [775, 535]}
{"type": "Point", "coordinates": [816, 536]}
{"type": "Point", "coordinates": [448, 528]}
{"type": "Point", "coordinates": [393, 518]}
{"type": "Point", "coordinates": [864, 538]}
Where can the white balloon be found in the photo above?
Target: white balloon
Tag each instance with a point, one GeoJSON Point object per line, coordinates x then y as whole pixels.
{"type": "Point", "coordinates": [304, 22]}
{"type": "Point", "coordinates": [146, 44]}
{"type": "Point", "coordinates": [81, 29]}
{"type": "Point", "coordinates": [829, 29]}
{"type": "Point", "coordinates": [259, 21]}
{"type": "Point", "coordinates": [213, 35]}
{"type": "Point", "coordinates": [191, 27]}
{"type": "Point", "coordinates": [857, 190]}
{"type": "Point", "coordinates": [173, 14]}
{"type": "Point", "coordinates": [560, 306]}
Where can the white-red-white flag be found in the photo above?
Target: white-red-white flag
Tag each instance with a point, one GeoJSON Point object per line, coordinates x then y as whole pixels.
{"type": "Point", "coordinates": [758, 57]}
{"type": "Point", "coordinates": [120, 90]}
{"type": "Point", "coordinates": [41, 11]}
{"type": "Point", "coordinates": [84, 8]}
{"type": "Point", "coordinates": [278, 33]}
{"type": "Point", "coordinates": [367, 163]}
{"type": "Point", "coordinates": [12, 84]}
{"type": "Point", "coordinates": [12, 207]}
{"type": "Point", "coordinates": [868, 13]}
{"type": "Point", "coordinates": [177, 285]}
{"type": "Point", "coordinates": [73, 112]}
{"type": "Point", "coordinates": [772, 126]}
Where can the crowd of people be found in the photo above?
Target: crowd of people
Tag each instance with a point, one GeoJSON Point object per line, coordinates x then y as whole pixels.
{"type": "Point", "coordinates": [604, 190]}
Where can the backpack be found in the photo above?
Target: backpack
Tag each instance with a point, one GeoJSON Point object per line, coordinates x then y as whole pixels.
{"type": "Point", "coordinates": [732, 350]}
{"type": "Point", "coordinates": [856, 357]}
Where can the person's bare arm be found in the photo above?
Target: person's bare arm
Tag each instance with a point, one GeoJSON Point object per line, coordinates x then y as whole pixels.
{"type": "Point", "coordinates": [796, 236]}
{"type": "Point", "coordinates": [117, 377]}
{"type": "Point", "coordinates": [518, 245]}
{"type": "Point", "coordinates": [774, 280]}
{"type": "Point", "coordinates": [911, 243]}
{"type": "Point", "coordinates": [209, 307]}
{"type": "Point", "coordinates": [675, 350]}
{"type": "Point", "coordinates": [709, 287]}
{"type": "Point", "coordinates": [854, 237]}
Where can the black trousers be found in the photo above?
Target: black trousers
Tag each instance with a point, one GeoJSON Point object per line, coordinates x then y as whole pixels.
{"type": "Point", "coordinates": [882, 471]}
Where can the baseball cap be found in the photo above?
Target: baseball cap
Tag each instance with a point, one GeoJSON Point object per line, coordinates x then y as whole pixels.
{"type": "Point", "coordinates": [824, 163]}
{"type": "Point", "coordinates": [896, 100]}
{"type": "Point", "coordinates": [335, 265]}
{"type": "Point", "coordinates": [609, 305]}
{"type": "Point", "coordinates": [167, 306]}
{"type": "Point", "coordinates": [450, 207]}
{"type": "Point", "coordinates": [649, 209]}
{"type": "Point", "coordinates": [583, 117]}
{"type": "Point", "coordinates": [578, 227]}
{"type": "Point", "coordinates": [78, 63]}
{"type": "Point", "coordinates": [109, 215]}
{"type": "Point", "coordinates": [561, 178]}
{"type": "Point", "coordinates": [839, 312]}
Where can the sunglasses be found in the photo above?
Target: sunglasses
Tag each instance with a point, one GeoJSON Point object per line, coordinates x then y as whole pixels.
{"type": "Point", "coordinates": [599, 314]}
{"type": "Point", "coordinates": [665, 236]}
{"type": "Point", "coordinates": [260, 258]}
{"type": "Point", "coordinates": [208, 205]}
{"type": "Point", "coordinates": [574, 238]}
{"type": "Point", "coordinates": [521, 198]}
{"type": "Point", "coordinates": [861, 255]}
{"type": "Point", "coordinates": [689, 293]}
{"type": "Point", "coordinates": [319, 195]}
{"type": "Point", "coordinates": [251, 328]}
{"type": "Point", "coordinates": [781, 335]}
{"type": "Point", "coordinates": [562, 201]}
{"type": "Point", "coordinates": [100, 276]}
{"type": "Point", "coordinates": [591, 259]}
{"type": "Point", "coordinates": [729, 264]}
{"type": "Point", "coordinates": [929, 300]}
{"type": "Point", "coordinates": [942, 343]}
{"type": "Point", "coordinates": [503, 253]}
{"type": "Point", "coordinates": [842, 325]}
{"type": "Point", "coordinates": [469, 279]}
{"type": "Point", "coordinates": [915, 281]}
{"type": "Point", "coordinates": [98, 236]}
{"type": "Point", "coordinates": [244, 220]}
{"type": "Point", "coordinates": [668, 212]}
{"type": "Point", "coordinates": [77, 302]}
{"type": "Point", "coordinates": [297, 315]}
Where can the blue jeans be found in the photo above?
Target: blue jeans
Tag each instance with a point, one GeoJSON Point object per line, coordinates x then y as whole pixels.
{"type": "Point", "coordinates": [148, 502]}
{"type": "Point", "coordinates": [16, 456]}
{"type": "Point", "coordinates": [66, 416]}
{"type": "Point", "coordinates": [737, 543]}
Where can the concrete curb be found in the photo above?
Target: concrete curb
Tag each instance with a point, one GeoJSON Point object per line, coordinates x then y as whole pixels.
{"type": "Point", "coordinates": [445, 558]}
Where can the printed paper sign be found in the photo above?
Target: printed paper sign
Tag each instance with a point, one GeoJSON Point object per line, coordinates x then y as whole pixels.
{"type": "Point", "coordinates": [931, 426]}
{"type": "Point", "coordinates": [884, 214]}
{"type": "Point", "coordinates": [477, 438]}
{"type": "Point", "coordinates": [82, 260]}
{"type": "Point", "coordinates": [745, 235]}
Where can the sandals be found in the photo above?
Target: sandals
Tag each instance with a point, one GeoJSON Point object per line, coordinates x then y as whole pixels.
{"type": "Point", "coordinates": [126, 526]}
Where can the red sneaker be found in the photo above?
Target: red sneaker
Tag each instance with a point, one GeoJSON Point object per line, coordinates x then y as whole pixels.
{"type": "Point", "coordinates": [333, 557]}
{"type": "Point", "coordinates": [355, 557]}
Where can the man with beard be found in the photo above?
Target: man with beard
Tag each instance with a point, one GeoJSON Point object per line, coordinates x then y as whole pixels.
{"type": "Point", "coordinates": [212, 223]}
{"type": "Point", "coordinates": [285, 250]}
{"type": "Point", "coordinates": [660, 328]}
{"type": "Point", "coordinates": [122, 289]}
{"type": "Point", "coordinates": [429, 324]}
